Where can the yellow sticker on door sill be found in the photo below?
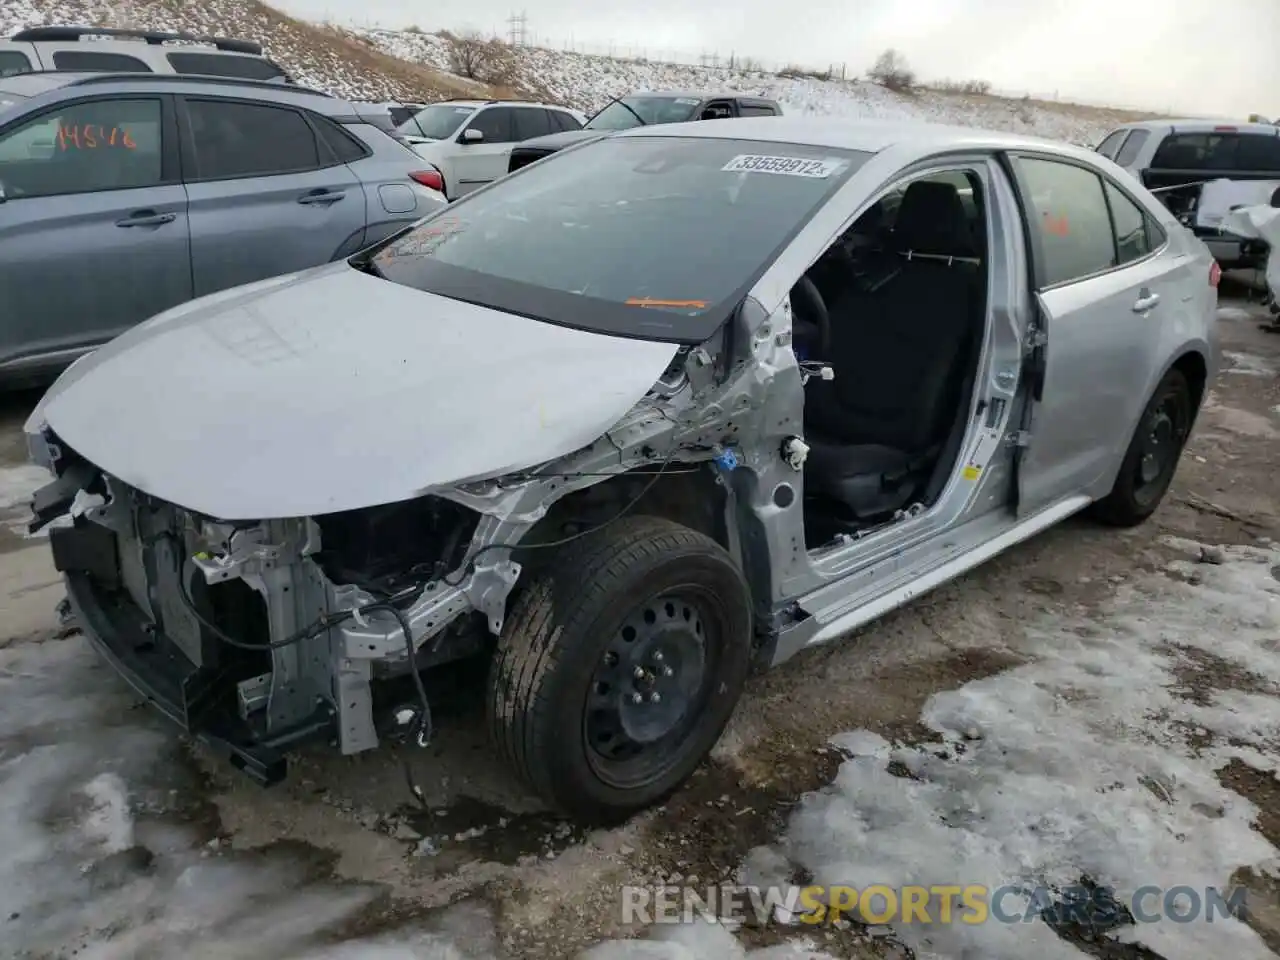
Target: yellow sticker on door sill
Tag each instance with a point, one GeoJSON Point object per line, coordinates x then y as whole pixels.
{"type": "Point", "coordinates": [971, 472]}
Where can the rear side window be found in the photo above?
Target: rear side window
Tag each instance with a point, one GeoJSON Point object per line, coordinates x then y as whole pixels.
{"type": "Point", "coordinates": [1069, 219]}
{"type": "Point", "coordinates": [495, 123]}
{"type": "Point", "coordinates": [1132, 147]}
{"type": "Point", "coordinates": [342, 144]}
{"type": "Point", "coordinates": [84, 148]}
{"type": "Point", "coordinates": [225, 65]}
{"type": "Point", "coordinates": [1259, 152]}
{"type": "Point", "coordinates": [11, 62]}
{"type": "Point", "coordinates": [249, 140]}
{"type": "Point", "coordinates": [95, 61]}
{"type": "Point", "coordinates": [1197, 151]}
{"type": "Point", "coordinates": [1134, 240]}
{"type": "Point", "coordinates": [530, 122]}
{"type": "Point", "coordinates": [753, 110]}
{"type": "Point", "coordinates": [562, 122]}
{"type": "Point", "coordinates": [1111, 143]}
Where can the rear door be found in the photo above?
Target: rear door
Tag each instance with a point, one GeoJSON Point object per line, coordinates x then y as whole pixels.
{"type": "Point", "coordinates": [476, 163]}
{"type": "Point", "coordinates": [94, 233]}
{"type": "Point", "coordinates": [266, 196]}
{"type": "Point", "coordinates": [1101, 289]}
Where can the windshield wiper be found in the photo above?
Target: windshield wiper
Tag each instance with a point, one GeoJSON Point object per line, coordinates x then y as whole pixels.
{"type": "Point", "coordinates": [619, 102]}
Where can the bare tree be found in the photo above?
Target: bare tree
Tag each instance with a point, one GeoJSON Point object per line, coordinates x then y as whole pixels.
{"type": "Point", "coordinates": [891, 71]}
{"type": "Point", "coordinates": [473, 56]}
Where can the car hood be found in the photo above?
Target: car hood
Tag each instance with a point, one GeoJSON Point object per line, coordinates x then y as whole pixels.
{"type": "Point", "coordinates": [333, 390]}
{"type": "Point", "coordinates": [558, 141]}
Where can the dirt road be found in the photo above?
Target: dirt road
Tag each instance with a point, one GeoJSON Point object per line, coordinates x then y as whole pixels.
{"type": "Point", "coordinates": [124, 842]}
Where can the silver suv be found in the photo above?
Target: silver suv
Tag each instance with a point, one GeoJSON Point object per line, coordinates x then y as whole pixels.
{"type": "Point", "coordinates": [83, 49]}
{"type": "Point", "coordinates": [96, 184]}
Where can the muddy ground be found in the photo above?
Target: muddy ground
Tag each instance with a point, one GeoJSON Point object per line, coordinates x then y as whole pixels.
{"type": "Point", "coordinates": [531, 886]}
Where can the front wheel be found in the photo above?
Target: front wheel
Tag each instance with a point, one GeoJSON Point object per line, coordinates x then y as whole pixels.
{"type": "Point", "coordinates": [1152, 458]}
{"type": "Point", "coordinates": [620, 666]}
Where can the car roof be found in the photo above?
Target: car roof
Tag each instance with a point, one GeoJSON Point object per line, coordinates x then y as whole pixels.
{"type": "Point", "coordinates": [102, 82]}
{"type": "Point", "coordinates": [870, 136]}
{"type": "Point", "coordinates": [1201, 124]}
{"type": "Point", "coordinates": [700, 95]}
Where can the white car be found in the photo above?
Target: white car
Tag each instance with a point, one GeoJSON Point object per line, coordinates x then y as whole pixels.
{"type": "Point", "coordinates": [469, 141]}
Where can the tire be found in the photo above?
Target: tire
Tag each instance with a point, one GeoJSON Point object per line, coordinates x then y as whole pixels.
{"type": "Point", "coordinates": [563, 675]}
{"type": "Point", "coordinates": [1136, 495]}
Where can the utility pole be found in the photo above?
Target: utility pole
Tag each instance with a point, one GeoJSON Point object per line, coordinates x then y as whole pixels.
{"type": "Point", "coordinates": [517, 29]}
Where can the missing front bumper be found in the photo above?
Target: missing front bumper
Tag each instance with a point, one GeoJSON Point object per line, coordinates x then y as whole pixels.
{"type": "Point", "coordinates": [198, 700]}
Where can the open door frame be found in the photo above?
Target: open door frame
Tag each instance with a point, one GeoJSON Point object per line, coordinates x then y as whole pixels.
{"type": "Point", "coordinates": [1035, 342]}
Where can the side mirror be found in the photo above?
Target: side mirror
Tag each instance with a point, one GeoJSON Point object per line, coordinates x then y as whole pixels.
{"type": "Point", "coordinates": [472, 135]}
{"type": "Point", "coordinates": [1275, 198]}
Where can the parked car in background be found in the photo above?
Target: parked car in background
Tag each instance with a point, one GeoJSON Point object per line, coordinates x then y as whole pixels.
{"type": "Point", "coordinates": [679, 403]}
{"type": "Point", "coordinates": [646, 109]}
{"type": "Point", "coordinates": [1201, 169]}
{"type": "Point", "coordinates": [468, 141]}
{"type": "Point", "coordinates": [108, 217]}
{"type": "Point", "coordinates": [93, 49]}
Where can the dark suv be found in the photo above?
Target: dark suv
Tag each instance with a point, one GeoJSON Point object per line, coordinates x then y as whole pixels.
{"type": "Point", "coordinates": [641, 109]}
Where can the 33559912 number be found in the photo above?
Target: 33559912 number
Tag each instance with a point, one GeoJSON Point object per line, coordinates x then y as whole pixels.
{"type": "Point", "coordinates": [785, 166]}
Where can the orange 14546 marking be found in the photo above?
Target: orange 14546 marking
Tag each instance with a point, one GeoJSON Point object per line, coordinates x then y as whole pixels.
{"type": "Point", "coordinates": [92, 136]}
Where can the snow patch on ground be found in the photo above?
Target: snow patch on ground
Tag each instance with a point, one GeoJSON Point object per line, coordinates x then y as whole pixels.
{"type": "Point", "coordinates": [1236, 314]}
{"type": "Point", "coordinates": [17, 484]}
{"type": "Point", "coordinates": [1077, 764]}
{"type": "Point", "coordinates": [1247, 364]}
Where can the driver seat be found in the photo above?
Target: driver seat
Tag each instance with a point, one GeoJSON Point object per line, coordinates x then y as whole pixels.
{"type": "Point", "coordinates": [900, 352]}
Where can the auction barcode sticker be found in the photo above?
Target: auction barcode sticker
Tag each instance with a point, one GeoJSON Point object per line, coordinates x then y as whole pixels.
{"type": "Point", "coordinates": [787, 166]}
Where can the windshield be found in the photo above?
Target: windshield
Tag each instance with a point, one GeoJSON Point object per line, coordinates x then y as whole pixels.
{"type": "Point", "coordinates": [437, 122]}
{"type": "Point", "coordinates": [651, 237]}
{"type": "Point", "coordinates": [628, 112]}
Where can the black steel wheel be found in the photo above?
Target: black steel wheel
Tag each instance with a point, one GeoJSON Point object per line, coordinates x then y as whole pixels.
{"type": "Point", "coordinates": [619, 667]}
{"type": "Point", "coordinates": [1153, 455]}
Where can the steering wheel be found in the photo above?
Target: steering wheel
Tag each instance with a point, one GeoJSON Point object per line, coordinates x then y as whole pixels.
{"type": "Point", "coordinates": [810, 321]}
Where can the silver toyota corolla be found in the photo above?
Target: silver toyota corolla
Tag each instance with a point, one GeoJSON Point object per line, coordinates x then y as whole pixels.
{"type": "Point", "coordinates": [627, 423]}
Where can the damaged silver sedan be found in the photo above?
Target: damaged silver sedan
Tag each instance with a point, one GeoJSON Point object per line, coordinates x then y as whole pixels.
{"type": "Point", "coordinates": [646, 415]}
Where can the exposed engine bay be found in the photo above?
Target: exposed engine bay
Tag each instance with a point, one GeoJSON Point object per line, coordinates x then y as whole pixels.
{"type": "Point", "coordinates": [258, 636]}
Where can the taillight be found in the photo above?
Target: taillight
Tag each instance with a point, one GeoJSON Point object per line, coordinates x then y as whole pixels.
{"type": "Point", "coordinates": [1215, 274]}
{"type": "Point", "coordinates": [429, 178]}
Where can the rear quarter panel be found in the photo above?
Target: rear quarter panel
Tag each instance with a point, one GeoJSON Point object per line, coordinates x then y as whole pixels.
{"type": "Point", "coordinates": [392, 199]}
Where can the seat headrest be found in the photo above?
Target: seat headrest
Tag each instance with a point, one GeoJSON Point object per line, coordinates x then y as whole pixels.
{"type": "Point", "coordinates": [932, 219]}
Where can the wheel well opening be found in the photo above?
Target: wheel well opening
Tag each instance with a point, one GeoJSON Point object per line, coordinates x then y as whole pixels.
{"type": "Point", "coordinates": [1192, 366]}
{"type": "Point", "coordinates": [689, 496]}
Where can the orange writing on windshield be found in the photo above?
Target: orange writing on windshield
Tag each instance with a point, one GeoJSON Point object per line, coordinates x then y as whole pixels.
{"type": "Point", "coordinates": [648, 302]}
{"type": "Point", "coordinates": [92, 136]}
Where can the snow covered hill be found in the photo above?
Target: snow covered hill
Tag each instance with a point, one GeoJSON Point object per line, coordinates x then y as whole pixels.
{"type": "Point", "coordinates": [588, 82]}
{"type": "Point", "coordinates": [411, 65]}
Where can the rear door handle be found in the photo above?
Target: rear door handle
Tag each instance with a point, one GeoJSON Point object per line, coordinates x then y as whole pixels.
{"type": "Point", "coordinates": [146, 218]}
{"type": "Point", "coordinates": [322, 196]}
{"type": "Point", "coordinates": [1146, 300]}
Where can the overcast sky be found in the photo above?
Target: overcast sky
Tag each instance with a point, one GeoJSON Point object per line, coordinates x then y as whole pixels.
{"type": "Point", "coordinates": [1217, 57]}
